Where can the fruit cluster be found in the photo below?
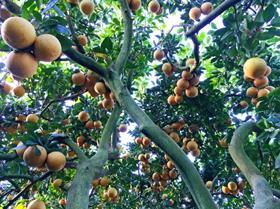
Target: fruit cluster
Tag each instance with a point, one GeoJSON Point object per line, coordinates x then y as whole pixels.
{"type": "Point", "coordinates": [195, 12]}
{"type": "Point", "coordinates": [256, 71]}
{"type": "Point", "coordinates": [37, 157]}
{"type": "Point", "coordinates": [155, 7]}
{"type": "Point", "coordinates": [160, 179]}
{"type": "Point", "coordinates": [233, 188]}
{"type": "Point", "coordinates": [95, 87]}
{"type": "Point", "coordinates": [187, 83]}
{"type": "Point", "coordinates": [134, 5]}
{"type": "Point", "coordinates": [103, 182]}
{"type": "Point", "coordinates": [111, 194]}
{"type": "Point", "coordinates": [188, 145]}
{"type": "Point", "coordinates": [22, 63]}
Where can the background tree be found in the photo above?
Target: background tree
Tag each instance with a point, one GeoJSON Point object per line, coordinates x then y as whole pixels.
{"type": "Point", "coordinates": [76, 75]}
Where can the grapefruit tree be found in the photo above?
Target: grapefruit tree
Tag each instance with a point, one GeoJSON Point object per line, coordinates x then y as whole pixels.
{"type": "Point", "coordinates": [139, 104]}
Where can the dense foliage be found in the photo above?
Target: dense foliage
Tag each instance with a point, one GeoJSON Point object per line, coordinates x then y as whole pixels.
{"type": "Point", "coordinates": [247, 29]}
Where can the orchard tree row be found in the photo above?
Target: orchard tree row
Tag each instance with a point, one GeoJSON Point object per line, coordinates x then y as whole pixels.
{"type": "Point", "coordinates": [139, 104]}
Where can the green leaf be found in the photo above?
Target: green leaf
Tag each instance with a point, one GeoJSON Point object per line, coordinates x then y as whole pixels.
{"type": "Point", "coordinates": [259, 18]}
{"type": "Point", "coordinates": [269, 13]}
{"type": "Point", "coordinates": [276, 22]}
{"type": "Point", "coordinates": [37, 151]}
{"type": "Point", "coordinates": [65, 42]}
{"type": "Point", "coordinates": [277, 162]}
{"type": "Point", "coordinates": [201, 37]}
{"type": "Point", "coordinates": [107, 43]}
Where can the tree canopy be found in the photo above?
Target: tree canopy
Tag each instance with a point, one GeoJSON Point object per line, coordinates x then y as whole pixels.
{"type": "Point", "coordinates": [139, 104]}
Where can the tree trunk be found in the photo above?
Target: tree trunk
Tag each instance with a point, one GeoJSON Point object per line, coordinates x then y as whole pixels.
{"type": "Point", "coordinates": [188, 172]}
{"type": "Point", "coordinates": [263, 194]}
{"type": "Point", "coordinates": [78, 194]}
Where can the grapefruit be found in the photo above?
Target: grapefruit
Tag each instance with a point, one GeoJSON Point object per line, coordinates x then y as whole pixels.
{"type": "Point", "coordinates": [21, 64]}
{"type": "Point", "coordinates": [47, 48]}
{"type": "Point", "coordinates": [55, 161]}
{"type": "Point", "coordinates": [18, 33]}
{"type": "Point", "coordinates": [35, 157]}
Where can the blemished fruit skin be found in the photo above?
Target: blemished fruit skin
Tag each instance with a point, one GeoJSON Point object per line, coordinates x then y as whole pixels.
{"type": "Point", "coordinates": [171, 100]}
{"type": "Point", "coordinates": [178, 91]}
{"type": "Point", "coordinates": [80, 140]}
{"type": "Point", "coordinates": [194, 81]}
{"type": "Point", "coordinates": [261, 82]}
{"type": "Point", "coordinates": [254, 68]}
{"type": "Point", "coordinates": [154, 6]}
{"type": "Point", "coordinates": [20, 148]}
{"type": "Point", "coordinates": [135, 5]}
{"type": "Point", "coordinates": [254, 101]}
{"type": "Point", "coordinates": [83, 116]}
{"type": "Point", "coordinates": [123, 128]}
{"type": "Point", "coordinates": [170, 165]}
{"type": "Point", "coordinates": [33, 118]}
{"type": "Point", "coordinates": [138, 140]}
{"type": "Point", "coordinates": [160, 11]}
{"type": "Point", "coordinates": [156, 176]}
{"type": "Point", "coordinates": [104, 181]}
{"type": "Point", "coordinates": [4, 13]}
{"type": "Point", "coordinates": [57, 183]}
{"type": "Point", "coordinates": [97, 124]}
{"type": "Point", "coordinates": [232, 186]}
{"type": "Point", "coordinates": [195, 13]}
{"type": "Point", "coordinates": [179, 99]}
{"type": "Point", "coordinates": [21, 64]}
{"type": "Point", "coordinates": [78, 79]}
{"type": "Point", "coordinates": [100, 88]}
{"type": "Point", "coordinates": [95, 183]}
{"type": "Point", "coordinates": [36, 204]}
{"type": "Point", "coordinates": [191, 92]}
{"type": "Point", "coordinates": [270, 88]}
{"type": "Point", "coordinates": [252, 92]}
{"type": "Point", "coordinates": [47, 48]}
{"type": "Point", "coordinates": [268, 71]}
{"type": "Point", "coordinates": [87, 7]}
{"type": "Point", "coordinates": [108, 103]}
{"type": "Point", "coordinates": [158, 55]}
{"type": "Point", "coordinates": [225, 190]}
{"type": "Point", "coordinates": [32, 159]}
{"type": "Point", "coordinates": [263, 93]}
{"type": "Point", "coordinates": [112, 192]}
{"type": "Point", "coordinates": [7, 88]}
{"type": "Point", "coordinates": [19, 91]}
{"type": "Point", "coordinates": [172, 174]}
{"type": "Point", "coordinates": [209, 184]}
{"type": "Point", "coordinates": [63, 202]}
{"type": "Point", "coordinates": [146, 141]}
{"type": "Point", "coordinates": [195, 152]}
{"type": "Point", "coordinates": [18, 33]}
{"type": "Point", "coordinates": [73, 1]}
{"type": "Point", "coordinates": [192, 145]}
{"type": "Point", "coordinates": [190, 61]}
{"type": "Point", "coordinates": [182, 84]}
{"type": "Point", "coordinates": [206, 8]}
{"type": "Point", "coordinates": [187, 75]}
{"type": "Point", "coordinates": [82, 40]}
{"type": "Point", "coordinates": [55, 161]}
{"type": "Point", "coordinates": [166, 68]}
{"type": "Point", "coordinates": [89, 125]}
{"type": "Point", "coordinates": [243, 104]}
{"type": "Point", "coordinates": [175, 136]}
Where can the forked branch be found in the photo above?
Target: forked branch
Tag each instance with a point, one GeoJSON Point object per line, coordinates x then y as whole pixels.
{"type": "Point", "coordinates": [127, 39]}
{"type": "Point", "coordinates": [262, 191]}
{"type": "Point", "coordinates": [213, 15]}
